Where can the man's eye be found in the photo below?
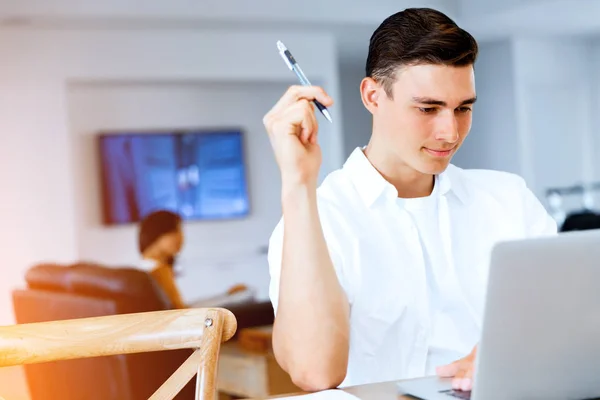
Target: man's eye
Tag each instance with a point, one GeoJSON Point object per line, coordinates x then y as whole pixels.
{"type": "Point", "coordinates": [427, 110]}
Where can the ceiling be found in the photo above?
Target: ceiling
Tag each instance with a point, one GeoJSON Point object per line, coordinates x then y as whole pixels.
{"type": "Point", "coordinates": [351, 25]}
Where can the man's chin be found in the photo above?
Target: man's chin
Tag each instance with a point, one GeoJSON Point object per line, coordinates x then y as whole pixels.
{"type": "Point", "coordinates": [435, 168]}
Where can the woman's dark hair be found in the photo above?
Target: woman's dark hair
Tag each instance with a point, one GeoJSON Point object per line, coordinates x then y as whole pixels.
{"type": "Point", "coordinates": [155, 225]}
{"type": "Point", "coordinates": [417, 36]}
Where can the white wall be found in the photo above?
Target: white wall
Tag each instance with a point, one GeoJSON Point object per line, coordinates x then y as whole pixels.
{"type": "Point", "coordinates": [534, 115]}
{"type": "Point", "coordinates": [595, 106]}
{"type": "Point", "coordinates": [493, 142]}
{"type": "Point", "coordinates": [479, 8]}
{"type": "Point", "coordinates": [357, 119]}
{"type": "Point", "coordinates": [39, 206]}
{"type": "Point", "coordinates": [217, 254]}
{"type": "Point", "coordinates": [552, 77]}
{"type": "Point", "coordinates": [261, 11]}
{"type": "Point", "coordinates": [491, 19]}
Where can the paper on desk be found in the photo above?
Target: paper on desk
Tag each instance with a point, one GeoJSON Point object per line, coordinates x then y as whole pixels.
{"type": "Point", "coordinates": [333, 394]}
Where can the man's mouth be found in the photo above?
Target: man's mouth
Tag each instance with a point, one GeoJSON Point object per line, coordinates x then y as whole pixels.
{"type": "Point", "coordinates": [439, 152]}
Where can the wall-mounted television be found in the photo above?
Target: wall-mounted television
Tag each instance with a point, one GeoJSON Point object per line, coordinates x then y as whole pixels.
{"type": "Point", "coordinates": [200, 174]}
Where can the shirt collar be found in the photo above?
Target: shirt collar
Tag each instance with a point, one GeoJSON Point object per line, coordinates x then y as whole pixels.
{"type": "Point", "coordinates": [371, 185]}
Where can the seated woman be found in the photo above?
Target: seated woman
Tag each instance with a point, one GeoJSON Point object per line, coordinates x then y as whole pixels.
{"type": "Point", "coordinates": [160, 239]}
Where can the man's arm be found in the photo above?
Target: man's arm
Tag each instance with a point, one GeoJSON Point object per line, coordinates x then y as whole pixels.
{"type": "Point", "coordinates": [311, 330]}
{"type": "Point", "coordinates": [538, 221]}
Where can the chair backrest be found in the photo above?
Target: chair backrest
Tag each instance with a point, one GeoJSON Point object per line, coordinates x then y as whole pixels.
{"type": "Point", "coordinates": [96, 378]}
{"type": "Point", "coordinates": [58, 292]}
{"type": "Point", "coordinates": [200, 329]}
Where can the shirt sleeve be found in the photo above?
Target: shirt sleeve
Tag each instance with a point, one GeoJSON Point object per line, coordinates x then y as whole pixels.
{"type": "Point", "coordinates": [275, 256]}
{"type": "Point", "coordinates": [537, 219]}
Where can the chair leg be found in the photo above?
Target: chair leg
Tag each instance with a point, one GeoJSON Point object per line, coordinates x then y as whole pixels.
{"type": "Point", "coordinates": [199, 383]}
{"type": "Point", "coordinates": [206, 378]}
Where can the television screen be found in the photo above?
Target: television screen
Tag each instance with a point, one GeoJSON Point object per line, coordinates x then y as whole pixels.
{"type": "Point", "coordinates": [198, 174]}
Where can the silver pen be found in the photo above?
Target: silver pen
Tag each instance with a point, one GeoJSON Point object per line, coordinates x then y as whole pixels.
{"type": "Point", "coordinates": [293, 65]}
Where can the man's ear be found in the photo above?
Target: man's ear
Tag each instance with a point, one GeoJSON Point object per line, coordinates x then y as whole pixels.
{"type": "Point", "coordinates": [370, 92]}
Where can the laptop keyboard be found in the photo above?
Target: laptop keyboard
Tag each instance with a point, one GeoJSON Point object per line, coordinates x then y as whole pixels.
{"type": "Point", "coordinates": [459, 394]}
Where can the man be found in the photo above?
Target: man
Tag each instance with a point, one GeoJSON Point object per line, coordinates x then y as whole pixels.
{"type": "Point", "coordinates": [380, 274]}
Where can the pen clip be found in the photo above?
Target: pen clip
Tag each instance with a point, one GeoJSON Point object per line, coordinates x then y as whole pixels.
{"type": "Point", "coordinates": [286, 59]}
{"type": "Point", "coordinates": [285, 54]}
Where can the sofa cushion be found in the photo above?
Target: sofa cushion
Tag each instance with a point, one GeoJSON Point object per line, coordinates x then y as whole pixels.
{"type": "Point", "coordinates": [53, 277]}
{"type": "Point", "coordinates": [89, 279]}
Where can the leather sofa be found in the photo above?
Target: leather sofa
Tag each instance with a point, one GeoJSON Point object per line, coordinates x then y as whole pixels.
{"type": "Point", "coordinates": [57, 292]}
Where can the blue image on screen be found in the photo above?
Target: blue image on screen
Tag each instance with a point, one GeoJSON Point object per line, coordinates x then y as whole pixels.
{"type": "Point", "coordinates": [200, 175]}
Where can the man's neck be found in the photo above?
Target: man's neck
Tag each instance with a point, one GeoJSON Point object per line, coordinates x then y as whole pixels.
{"type": "Point", "coordinates": [408, 182]}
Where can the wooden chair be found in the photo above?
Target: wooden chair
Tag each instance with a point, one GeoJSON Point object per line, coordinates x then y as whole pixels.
{"type": "Point", "coordinates": [203, 329]}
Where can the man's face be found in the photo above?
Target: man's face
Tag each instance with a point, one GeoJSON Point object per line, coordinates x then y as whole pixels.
{"type": "Point", "coordinates": [428, 116]}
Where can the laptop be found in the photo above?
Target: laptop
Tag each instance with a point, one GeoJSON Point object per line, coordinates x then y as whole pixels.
{"type": "Point", "coordinates": [541, 328]}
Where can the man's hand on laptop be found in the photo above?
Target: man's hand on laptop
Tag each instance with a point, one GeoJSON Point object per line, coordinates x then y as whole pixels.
{"type": "Point", "coordinates": [461, 371]}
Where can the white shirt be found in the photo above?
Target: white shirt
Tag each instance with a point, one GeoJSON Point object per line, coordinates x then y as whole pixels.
{"type": "Point", "coordinates": [414, 270]}
{"type": "Point", "coordinates": [146, 264]}
{"type": "Point", "coordinates": [448, 312]}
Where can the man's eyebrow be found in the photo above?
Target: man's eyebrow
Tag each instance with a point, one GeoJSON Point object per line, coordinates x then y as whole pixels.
{"type": "Point", "coordinates": [434, 102]}
{"type": "Point", "coordinates": [429, 101]}
{"type": "Point", "coordinates": [472, 100]}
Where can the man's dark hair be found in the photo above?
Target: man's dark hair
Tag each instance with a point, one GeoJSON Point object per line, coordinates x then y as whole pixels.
{"type": "Point", "coordinates": [417, 36]}
{"type": "Point", "coordinates": [155, 225]}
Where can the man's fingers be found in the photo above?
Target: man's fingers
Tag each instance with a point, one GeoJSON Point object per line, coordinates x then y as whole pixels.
{"type": "Point", "coordinates": [463, 380]}
{"type": "Point", "coordinates": [467, 382]}
{"type": "Point", "coordinates": [461, 371]}
{"type": "Point", "coordinates": [457, 381]}
{"type": "Point", "coordinates": [296, 93]}
{"type": "Point", "coordinates": [469, 372]}
{"type": "Point", "coordinates": [301, 116]}
{"type": "Point", "coordinates": [310, 126]}
{"type": "Point", "coordinates": [448, 371]}
{"type": "Point", "coordinates": [310, 93]}
{"type": "Point", "coordinates": [464, 384]}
